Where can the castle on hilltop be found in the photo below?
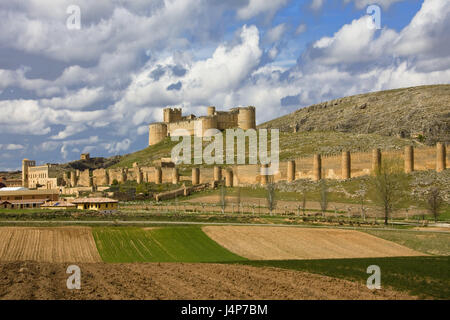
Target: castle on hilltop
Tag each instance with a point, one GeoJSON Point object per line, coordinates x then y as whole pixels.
{"type": "Point", "coordinates": [241, 117]}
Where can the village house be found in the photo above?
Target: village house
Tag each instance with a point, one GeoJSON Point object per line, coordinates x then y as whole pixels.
{"type": "Point", "coordinates": [98, 204]}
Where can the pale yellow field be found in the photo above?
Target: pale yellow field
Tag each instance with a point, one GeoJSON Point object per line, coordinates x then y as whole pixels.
{"type": "Point", "coordinates": [279, 243]}
{"type": "Point", "coordinates": [65, 244]}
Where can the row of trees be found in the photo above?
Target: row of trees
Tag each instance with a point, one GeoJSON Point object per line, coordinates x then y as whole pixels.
{"type": "Point", "coordinates": [386, 188]}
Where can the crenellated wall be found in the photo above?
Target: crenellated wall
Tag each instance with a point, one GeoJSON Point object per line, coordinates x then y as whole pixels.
{"type": "Point", "coordinates": [242, 117]}
{"type": "Point", "coordinates": [340, 166]}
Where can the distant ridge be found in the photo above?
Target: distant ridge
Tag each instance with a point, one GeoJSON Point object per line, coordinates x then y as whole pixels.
{"type": "Point", "coordinates": [421, 112]}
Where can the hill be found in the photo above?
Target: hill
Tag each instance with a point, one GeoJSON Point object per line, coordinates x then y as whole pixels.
{"type": "Point", "coordinates": [386, 119]}
{"type": "Point", "coordinates": [422, 112]}
{"type": "Point", "coordinates": [292, 145]}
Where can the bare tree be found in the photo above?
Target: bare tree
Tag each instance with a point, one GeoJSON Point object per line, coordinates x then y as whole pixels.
{"type": "Point", "coordinates": [388, 184]}
{"type": "Point", "coordinates": [323, 196]}
{"type": "Point", "coordinates": [434, 202]}
{"type": "Point", "coordinates": [361, 194]}
{"type": "Point", "coordinates": [238, 199]}
{"type": "Point", "coordinates": [223, 198]}
{"type": "Point", "coordinates": [304, 201]}
{"type": "Point", "coordinates": [270, 197]}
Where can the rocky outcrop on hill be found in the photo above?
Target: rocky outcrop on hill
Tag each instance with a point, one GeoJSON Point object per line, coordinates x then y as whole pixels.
{"type": "Point", "coordinates": [421, 113]}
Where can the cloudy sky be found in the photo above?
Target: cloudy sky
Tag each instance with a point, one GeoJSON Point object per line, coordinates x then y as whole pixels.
{"type": "Point", "coordinates": [95, 89]}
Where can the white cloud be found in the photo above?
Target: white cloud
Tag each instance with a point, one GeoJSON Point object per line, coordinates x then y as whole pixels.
{"type": "Point", "coordinates": [116, 72]}
{"type": "Point", "coordinates": [425, 35]}
{"type": "Point", "coordinates": [80, 99]}
{"type": "Point", "coordinates": [301, 28]}
{"type": "Point", "coordinates": [421, 39]}
{"type": "Point", "coordinates": [118, 147]}
{"type": "Point", "coordinates": [24, 117]}
{"type": "Point", "coordinates": [275, 34]}
{"type": "Point", "coordinates": [70, 130]}
{"type": "Point", "coordinates": [11, 147]}
{"type": "Point", "coordinates": [316, 4]}
{"type": "Point", "coordinates": [205, 81]}
{"type": "Point", "coordinates": [360, 4]}
{"type": "Point", "coordinates": [256, 7]}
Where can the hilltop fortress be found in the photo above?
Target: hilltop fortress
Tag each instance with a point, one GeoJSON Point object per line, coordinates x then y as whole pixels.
{"type": "Point", "coordinates": [241, 117]}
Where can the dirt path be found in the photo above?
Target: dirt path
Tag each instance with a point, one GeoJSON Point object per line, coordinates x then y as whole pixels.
{"type": "Point", "coordinates": [63, 244]}
{"type": "Point", "coordinates": [33, 280]}
{"type": "Point", "coordinates": [278, 243]}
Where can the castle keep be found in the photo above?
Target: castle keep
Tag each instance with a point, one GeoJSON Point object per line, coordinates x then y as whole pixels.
{"type": "Point", "coordinates": [243, 118]}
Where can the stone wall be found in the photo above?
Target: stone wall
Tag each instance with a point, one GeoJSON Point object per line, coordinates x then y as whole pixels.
{"type": "Point", "coordinates": [339, 166]}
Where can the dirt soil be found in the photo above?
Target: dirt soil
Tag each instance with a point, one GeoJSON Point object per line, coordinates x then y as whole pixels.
{"type": "Point", "coordinates": [34, 280]}
{"type": "Point", "coordinates": [63, 244]}
{"type": "Point", "coordinates": [279, 243]}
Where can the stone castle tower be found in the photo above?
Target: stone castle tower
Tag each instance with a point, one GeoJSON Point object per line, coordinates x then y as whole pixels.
{"type": "Point", "coordinates": [241, 117]}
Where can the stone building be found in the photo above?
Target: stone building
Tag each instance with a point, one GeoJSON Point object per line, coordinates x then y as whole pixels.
{"type": "Point", "coordinates": [241, 117]}
{"type": "Point", "coordinates": [45, 176]}
{"type": "Point", "coordinates": [85, 156]}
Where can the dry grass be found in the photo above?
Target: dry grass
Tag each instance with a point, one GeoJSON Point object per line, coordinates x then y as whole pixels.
{"type": "Point", "coordinates": [280, 243]}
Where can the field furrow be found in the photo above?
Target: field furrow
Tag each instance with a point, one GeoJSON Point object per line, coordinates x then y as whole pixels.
{"type": "Point", "coordinates": [66, 244]}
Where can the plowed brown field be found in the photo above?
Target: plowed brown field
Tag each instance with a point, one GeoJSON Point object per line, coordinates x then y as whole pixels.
{"type": "Point", "coordinates": [34, 280]}
{"type": "Point", "coordinates": [65, 244]}
{"type": "Point", "coordinates": [279, 243]}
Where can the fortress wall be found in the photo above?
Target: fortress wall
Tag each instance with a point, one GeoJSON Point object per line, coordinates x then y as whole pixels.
{"type": "Point", "coordinates": [131, 175]}
{"type": "Point", "coordinates": [83, 178]}
{"type": "Point", "coordinates": [187, 125]}
{"type": "Point", "coordinates": [246, 174]}
{"type": "Point", "coordinates": [206, 175]}
{"type": "Point", "coordinates": [100, 177]}
{"type": "Point", "coordinates": [425, 158]}
{"type": "Point", "coordinates": [157, 133]}
{"type": "Point", "coordinates": [361, 164]}
{"type": "Point", "coordinates": [282, 172]}
{"type": "Point", "coordinates": [167, 175]}
{"type": "Point", "coordinates": [147, 174]}
{"type": "Point", "coordinates": [246, 118]}
{"type": "Point", "coordinates": [115, 174]}
{"type": "Point", "coordinates": [208, 123]}
{"type": "Point", "coordinates": [304, 168]}
{"type": "Point", "coordinates": [172, 115]}
{"type": "Point", "coordinates": [331, 166]}
{"type": "Point", "coordinates": [226, 120]}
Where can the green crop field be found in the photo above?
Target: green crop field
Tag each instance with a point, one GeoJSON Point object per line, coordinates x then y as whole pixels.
{"type": "Point", "coordinates": [434, 243]}
{"type": "Point", "coordinates": [166, 244]}
{"type": "Point", "coordinates": [426, 277]}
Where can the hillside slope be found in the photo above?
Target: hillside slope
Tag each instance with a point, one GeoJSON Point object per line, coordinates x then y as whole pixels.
{"type": "Point", "coordinates": [384, 119]}
{"type": "Point", "coordinates": [422, 111]}
{"type": "Point", "coordinates": [292, 145]}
